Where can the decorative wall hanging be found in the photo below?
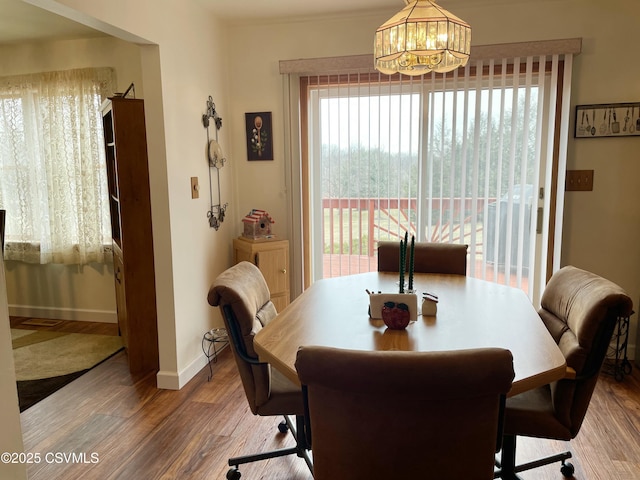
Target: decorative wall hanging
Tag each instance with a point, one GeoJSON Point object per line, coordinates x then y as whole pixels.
{"type": "Point", "coordinates": [607, 120]}
{"type": "Point", "coordinates": [216, 162]}
{"type": "Point", "coordinates": [259, 136]}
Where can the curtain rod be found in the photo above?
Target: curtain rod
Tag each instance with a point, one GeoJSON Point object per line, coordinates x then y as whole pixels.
{"type": "Point", "coordinates": [481, 52]}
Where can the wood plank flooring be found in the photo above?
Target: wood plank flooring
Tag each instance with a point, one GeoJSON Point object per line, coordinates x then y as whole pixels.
{"type": "Point", "coordinates": [69, 326]}
{"type": "Point", "coordinates": [140, 432]}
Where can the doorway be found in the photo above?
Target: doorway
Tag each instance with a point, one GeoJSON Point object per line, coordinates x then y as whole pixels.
{"type": "Point", "coordinates": [468, 157]}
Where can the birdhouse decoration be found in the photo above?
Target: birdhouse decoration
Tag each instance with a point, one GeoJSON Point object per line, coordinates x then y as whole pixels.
{"type": "Point", "coordinates": [257, 224]}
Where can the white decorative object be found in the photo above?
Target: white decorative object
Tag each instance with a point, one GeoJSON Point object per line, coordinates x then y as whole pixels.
{"type": "Point", "coordinates": [429, 307]}
{"type": "Point", "coordinates": [377, 301]}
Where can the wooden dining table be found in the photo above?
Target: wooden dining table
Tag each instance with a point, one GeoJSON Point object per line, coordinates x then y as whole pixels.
{"type": "Point", "coordinates": [471, 313]}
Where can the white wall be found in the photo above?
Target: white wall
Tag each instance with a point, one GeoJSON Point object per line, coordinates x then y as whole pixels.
{"type": "Point", "coordinates": [80, 53]}
{"type": "Point", "coordinates": [11, 438]}
{"type": "Point", "coordinates": [601, 227]}
{"type": "Point", "coordinates": [183, 62]}
{"type": "Point", "coordinates": [65, 292]}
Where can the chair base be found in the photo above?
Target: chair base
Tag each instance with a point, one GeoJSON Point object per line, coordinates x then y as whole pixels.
{"type": "Point", "coordinates": [301, 449]}
{"type": "Point", "coordinates": [508, 470]}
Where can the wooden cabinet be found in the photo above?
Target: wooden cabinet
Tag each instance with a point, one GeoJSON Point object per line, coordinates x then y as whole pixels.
{"type": "Point", "coordinates": [130, 207]}
{"type": "Point", "coordinates": [272, 258]}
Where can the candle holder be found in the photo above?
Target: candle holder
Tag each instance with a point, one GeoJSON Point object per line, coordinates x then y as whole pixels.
{"type": "Point", "coordinates": [403, 262]}
{"type": "Point", "coordinates": [398, 309]}
{"type": "Point", "coordinates": [378, 300]}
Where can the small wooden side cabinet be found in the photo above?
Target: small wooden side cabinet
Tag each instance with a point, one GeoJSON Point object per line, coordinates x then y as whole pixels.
{"type": "Point", "coordinates": [130, 207]}
{"type": "Point", "coordinates": [271, 256]}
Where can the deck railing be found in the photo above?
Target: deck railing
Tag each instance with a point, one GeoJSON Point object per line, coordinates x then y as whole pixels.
{"type": "Point", "coordinates": [348, 222]}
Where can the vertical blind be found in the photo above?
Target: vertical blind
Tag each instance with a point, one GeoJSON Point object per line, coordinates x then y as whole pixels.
{"type": "Point", "coordinates": [467, 157]}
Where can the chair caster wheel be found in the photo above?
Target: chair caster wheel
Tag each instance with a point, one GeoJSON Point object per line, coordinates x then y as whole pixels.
{"type": "Point", "coordinates": [233, 474]}
{"type": "Point", "coordinates": [567, 470]}
{"type": "Point", "coordinates": [283, 427]}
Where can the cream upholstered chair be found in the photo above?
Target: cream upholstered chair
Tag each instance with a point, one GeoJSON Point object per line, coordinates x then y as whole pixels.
{"type": "Point", "coordinates": [580, 310]}
{"type": "Point", "coordinates": [428, 257]}
{"type": "Point", "coordinates": [392, 414]}
{"type": "Point", "coordinates": [243, 296]}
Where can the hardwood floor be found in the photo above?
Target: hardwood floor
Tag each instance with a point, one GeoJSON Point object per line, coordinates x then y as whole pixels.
{"type": "Point", "coordinates": [69, 326]}
{"type": "Point", "coordinates": [138, 431]}
{"type": "Point", "coordinates": [141, 432]}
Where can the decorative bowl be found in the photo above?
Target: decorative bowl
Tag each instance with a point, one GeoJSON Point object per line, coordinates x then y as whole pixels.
{"type": "Point", "coordinates": [396, 316]}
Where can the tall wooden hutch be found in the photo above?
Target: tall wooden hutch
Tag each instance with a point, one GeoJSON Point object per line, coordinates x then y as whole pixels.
{"type": "Point", "coordinates": [130, 206]}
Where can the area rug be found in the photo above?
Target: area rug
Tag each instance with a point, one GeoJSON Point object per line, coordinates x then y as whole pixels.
{"type": "Point", "coordinates": [46, 361]}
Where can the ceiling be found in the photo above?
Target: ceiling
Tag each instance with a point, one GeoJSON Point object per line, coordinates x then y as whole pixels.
{"type": "Point", "coordinates": [20, 21]}
{"type": "Point", "coordinates": [257, 9]}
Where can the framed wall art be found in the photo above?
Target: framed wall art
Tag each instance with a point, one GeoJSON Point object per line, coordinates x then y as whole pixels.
{"type": "Point", "coordinates": [607, 120]}
{"type": "Point", "coordinates": [259, 136]}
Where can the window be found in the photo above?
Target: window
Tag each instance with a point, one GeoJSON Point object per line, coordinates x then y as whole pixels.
{"type": "Point", "coordinates": [473, 157]}
{"type": "Point", "coordinates": [52, 175]}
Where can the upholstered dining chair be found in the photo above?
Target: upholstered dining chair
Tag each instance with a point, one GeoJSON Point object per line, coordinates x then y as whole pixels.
{"type": "Point", "coordinates": [428, 257]}
{"type": "Point", "coordinates": [580, 309]}
{"type": "Point", "coordinates": [393, 414]}
{"type": "Point", "coordinates": [243, 296]}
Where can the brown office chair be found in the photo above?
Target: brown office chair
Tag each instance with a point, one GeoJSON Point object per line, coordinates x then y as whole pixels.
{"type": "Point", "coordinates": [244, 299]}
{"type": "Point", "coordinates": [580, 310]}
{"type": "Point", "coordinates": [428, 257]}
{"type": "Point", "coordinates": [394, 414]}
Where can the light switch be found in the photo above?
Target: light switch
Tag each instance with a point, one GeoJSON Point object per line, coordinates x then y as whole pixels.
{"type": "Point", "coordinates": [579, 181]}
{"type": "Point", "coordinates": [195, 188]}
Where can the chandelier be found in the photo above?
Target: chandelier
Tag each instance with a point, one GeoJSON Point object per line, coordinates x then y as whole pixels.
{"type": "Point", "coordinates": [420, 38]}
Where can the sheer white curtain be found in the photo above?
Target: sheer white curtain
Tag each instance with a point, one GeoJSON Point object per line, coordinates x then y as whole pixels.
{"type": "Point", "coordinates": [465, 157]}
{"type": "Point", "coordinates": [52, 169]}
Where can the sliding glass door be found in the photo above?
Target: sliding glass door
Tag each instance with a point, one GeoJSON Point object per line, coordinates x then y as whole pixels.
{"type": "Point", "coordinates": [466, 157]}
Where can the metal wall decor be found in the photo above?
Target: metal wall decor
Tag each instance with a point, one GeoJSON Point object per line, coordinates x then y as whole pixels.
{"type": "Point", "coordinates": [216, 161]}
{"type": "Point", "coordinates": [607, 120]}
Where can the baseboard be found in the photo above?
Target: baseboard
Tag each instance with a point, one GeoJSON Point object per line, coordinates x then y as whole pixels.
{"type": "Point", "coordinates": [167, 380]}
{"type": "Point", "coordinates": [175, 381]}
{"type": "Point", "coordinates": [54, 313]}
